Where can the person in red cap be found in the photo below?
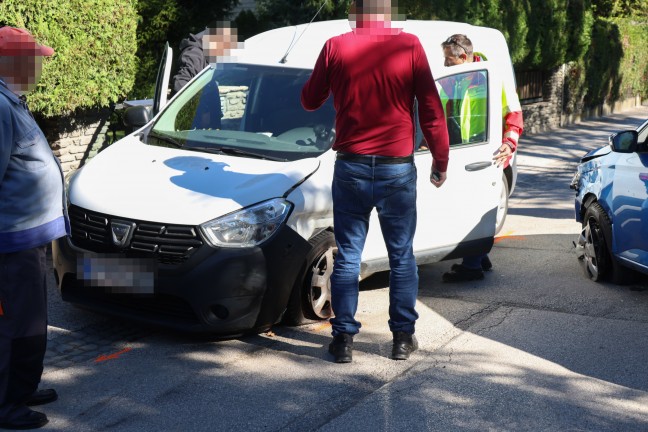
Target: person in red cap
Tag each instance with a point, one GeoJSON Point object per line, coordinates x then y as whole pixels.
{"type": "Point", "coordinates": [32, 214]}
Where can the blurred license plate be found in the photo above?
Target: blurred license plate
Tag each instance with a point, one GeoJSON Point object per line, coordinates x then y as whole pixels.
{"type": "Point", "coordinates": [117, 274]}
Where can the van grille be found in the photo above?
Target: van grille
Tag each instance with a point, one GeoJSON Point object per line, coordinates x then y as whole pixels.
{"type": "Point", "coordinates": [169, 244]}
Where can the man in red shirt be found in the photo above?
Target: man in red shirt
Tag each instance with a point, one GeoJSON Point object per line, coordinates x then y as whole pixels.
{"type": "Point", "coordinates": [374, 73]}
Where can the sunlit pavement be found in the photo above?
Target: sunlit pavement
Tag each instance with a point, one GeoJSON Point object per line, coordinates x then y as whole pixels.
{"type": "Point", "coordinates": [533, 346]}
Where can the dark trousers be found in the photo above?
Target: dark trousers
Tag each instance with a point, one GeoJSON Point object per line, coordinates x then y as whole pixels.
{"type": "Point", "coordinates": [23, 327]}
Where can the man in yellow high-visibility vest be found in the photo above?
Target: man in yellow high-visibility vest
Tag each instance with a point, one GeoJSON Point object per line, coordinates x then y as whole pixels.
{"type": "Point", "coordinates": [468, 113]}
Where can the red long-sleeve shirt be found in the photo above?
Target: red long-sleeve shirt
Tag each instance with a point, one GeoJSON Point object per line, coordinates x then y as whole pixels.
{"type": "Point", "coordinates": [374, 76]}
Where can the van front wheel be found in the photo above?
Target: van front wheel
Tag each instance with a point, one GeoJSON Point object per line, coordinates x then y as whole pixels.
{"type": "Point", "coordinates": [311, 296]}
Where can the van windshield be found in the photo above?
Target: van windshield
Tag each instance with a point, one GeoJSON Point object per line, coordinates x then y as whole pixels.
{"type": "Point", "coordinates": [249, 111]}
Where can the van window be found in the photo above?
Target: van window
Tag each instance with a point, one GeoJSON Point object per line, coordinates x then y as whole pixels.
{"type": "Point", "coordinates": [246, 110]}
{"type": "Point", "coordinates": [465, 102]}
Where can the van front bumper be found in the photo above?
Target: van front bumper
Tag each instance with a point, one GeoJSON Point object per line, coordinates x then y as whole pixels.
{"type": "Point", "coordinates": [222, 291]}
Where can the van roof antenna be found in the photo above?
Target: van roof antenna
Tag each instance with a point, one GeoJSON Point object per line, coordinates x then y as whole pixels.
{"type": "Point", "coordinates": [292, 45]}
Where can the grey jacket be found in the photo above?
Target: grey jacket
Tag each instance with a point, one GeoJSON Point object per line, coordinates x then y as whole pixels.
{"type": "Point", "coordinates": [32, 202]}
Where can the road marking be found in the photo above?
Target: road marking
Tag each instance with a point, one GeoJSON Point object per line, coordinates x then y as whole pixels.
{"type": "Point", "coordinates": [499, 239]}
{"type": "Point", "coordinates": [509, 236]}
{"type": "Point", "coordinates": [113, 356]}
{"type": "Point", "coordinates": [323, 326]}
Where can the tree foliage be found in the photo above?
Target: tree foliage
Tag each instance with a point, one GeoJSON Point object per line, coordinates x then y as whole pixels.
{"type": "Point", "coordinates": [279, 13]}
{"type": "Point", "coordinates": [620, 8]}
{"type": "Point", "coordinates": [94, 42]}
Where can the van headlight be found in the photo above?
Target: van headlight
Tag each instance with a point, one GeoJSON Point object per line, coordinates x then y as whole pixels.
{"type": "Point", "coordinates": [248, 227]}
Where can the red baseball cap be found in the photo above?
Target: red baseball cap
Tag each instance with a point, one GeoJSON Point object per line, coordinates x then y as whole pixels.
{"type": "Point", "coordinates": [19, 42]}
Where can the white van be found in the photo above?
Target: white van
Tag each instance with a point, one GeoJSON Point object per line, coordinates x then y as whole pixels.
{"type": "Point", "coordinates": [217, 215]}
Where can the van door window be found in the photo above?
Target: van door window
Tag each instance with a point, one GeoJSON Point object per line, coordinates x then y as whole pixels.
{"type": "Point", "coordinates": [465, 103]}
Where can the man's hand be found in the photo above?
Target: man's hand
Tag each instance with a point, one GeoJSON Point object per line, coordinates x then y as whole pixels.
{"type": "Point", "coordinates": [437, 178]}
{"type": "Point", "coordinates": [502, 155]}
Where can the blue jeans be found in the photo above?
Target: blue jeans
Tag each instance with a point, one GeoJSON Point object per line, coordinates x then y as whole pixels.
{"type": "Point", "coordinates": [357, 189]}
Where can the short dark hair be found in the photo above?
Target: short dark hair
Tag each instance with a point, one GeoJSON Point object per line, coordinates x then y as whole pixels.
{"type": "Point", "coordinates": [372, 6]}
{"type": "Point", "coordinates": [213, 26]}
{"type": "Point", "coordinates": [458, 44]}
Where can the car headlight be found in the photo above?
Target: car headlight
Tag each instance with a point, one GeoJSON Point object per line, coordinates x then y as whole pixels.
{"type": "Point", "coordinates": [248, 227]}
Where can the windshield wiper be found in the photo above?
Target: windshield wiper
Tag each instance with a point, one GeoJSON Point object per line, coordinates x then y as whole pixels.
{"type": "Point", "coordinates": [237, 152]}
{"type": "Point", "coordinates": [165, 138]}
{"type": "Point", "coordinates": [241, 152]}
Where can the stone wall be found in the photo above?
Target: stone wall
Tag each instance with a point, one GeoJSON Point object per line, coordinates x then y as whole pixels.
{"type": "Point", "coordinates": [551, 112]}
{"type": "Point", "coordinates": [77, 138]}
{"type": "Point", "coordinates": [546, 114]}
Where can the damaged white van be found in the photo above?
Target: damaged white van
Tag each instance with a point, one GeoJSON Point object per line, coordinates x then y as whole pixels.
{"type": "Point", "coordinates": [216, 215]}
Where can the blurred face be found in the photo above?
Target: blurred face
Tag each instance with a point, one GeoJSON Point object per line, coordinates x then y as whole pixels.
{"type": "Point", "coordinates": [219, 42]}
{"type": "Point", "coordinates": [453, 60]}
{"type": "Point", "coordinates": [21, 73]}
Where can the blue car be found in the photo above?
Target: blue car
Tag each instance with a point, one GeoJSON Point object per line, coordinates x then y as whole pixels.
{"type": "Point", "coordinates": [612, 204]}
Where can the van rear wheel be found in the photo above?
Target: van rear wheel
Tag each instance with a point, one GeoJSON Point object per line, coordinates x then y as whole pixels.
{"type": "Point", "coordinates": [311, 296]}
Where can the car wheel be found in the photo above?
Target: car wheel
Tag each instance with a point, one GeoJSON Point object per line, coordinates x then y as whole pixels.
{"type": "Point", "coordinates": [311, 295]}
{"type": "Point", "coordinates": [502, 208]}
{"type": "Point", "coordinates": [593, 253]}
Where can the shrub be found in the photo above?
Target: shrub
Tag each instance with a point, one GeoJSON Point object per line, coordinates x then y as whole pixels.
{"type": "Point", "coordinates": [95, 46]}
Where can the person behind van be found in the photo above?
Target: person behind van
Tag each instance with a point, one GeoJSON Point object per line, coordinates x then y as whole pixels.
{"type": "Point", "coordinates": [374, 73]}
{"type": "Point", "coordinates": [32, 214]}
{"type": "Point", "coordinates": [458, 49]}
{"type": "Point", "coordinates": [198, 50]}
{"type": "Point", "coordinates": [196, 53]}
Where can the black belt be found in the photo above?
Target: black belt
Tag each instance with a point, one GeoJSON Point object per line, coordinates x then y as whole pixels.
{"type": "Point", "coordinates": [374, 160]}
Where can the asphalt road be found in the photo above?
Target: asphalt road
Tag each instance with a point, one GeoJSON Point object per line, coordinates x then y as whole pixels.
{"type": "Point", "coordinates": [533, 347]}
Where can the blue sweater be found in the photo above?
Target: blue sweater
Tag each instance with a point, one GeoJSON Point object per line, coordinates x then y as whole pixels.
{"type": "Point", "coordinates": [32, 201]}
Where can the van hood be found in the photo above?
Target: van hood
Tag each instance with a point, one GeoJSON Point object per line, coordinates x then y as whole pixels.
{"type": "Point", "coordinates": [138, 181]}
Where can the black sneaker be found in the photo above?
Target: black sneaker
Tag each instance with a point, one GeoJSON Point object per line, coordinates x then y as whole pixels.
{"type": "Point", "coordinates": [342, 348]}
{"type": "Point", "coordinates": [41, 397]}
{"type": "Point", "coordinates": [404, 345]}
{"type": "Point", "coordinates": [486, 265]}
{"type": "Point", "coordinates": [29, 420]}
{"type": "Point", "coordinates": [460, 273]}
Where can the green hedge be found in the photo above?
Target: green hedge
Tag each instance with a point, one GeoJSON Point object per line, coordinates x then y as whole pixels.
{"type": "Point", "coordinates": [634, 64]}
{"type": "Point", "coordinates": [615, 66]}
{"type": "Point", "coordinates": [95, 46]}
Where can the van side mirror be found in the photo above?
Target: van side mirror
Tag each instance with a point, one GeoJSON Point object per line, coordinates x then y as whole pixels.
{"type": "Point", "coordinates": [624, 142]}
{"type": "Point", "coordinates": [137, 116]}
